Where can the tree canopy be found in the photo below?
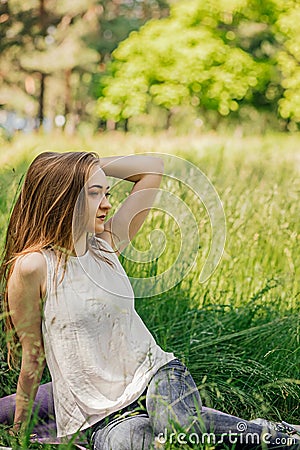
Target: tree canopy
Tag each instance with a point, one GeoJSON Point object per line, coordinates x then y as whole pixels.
{"type": "Point", "coordinates": [125, 58]}
{"type": "Point", "coordinates": [53, 52]}
{"type": "Point", "coordinates": [220, 55]}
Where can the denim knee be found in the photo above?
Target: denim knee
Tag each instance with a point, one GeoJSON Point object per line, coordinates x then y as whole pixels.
{"type": "Point", "coordinates": [173, 399]}
{"type": "Point", "coordinates": [133, 432]}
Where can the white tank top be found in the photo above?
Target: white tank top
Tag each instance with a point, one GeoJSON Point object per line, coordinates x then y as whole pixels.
{"type": "Point", "coordinates": [99, 352]}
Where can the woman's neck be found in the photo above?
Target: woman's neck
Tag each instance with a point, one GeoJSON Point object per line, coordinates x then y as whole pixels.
{"type": "Point", "coordinates": [81, 245]}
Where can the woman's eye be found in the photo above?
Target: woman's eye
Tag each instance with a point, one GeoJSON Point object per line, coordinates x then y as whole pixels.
{"type": "Point", "coordinates": [96, 194]}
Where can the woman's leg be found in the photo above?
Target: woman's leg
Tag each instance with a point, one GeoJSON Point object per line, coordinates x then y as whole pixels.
{"type": "Point", "coordinates": [244, 434]}
{"type": "Point", "coordinates": [43, 408]}
{"type": "Point", "coordinates": [176, 415]}
{"type": "Point", "coordinates": [127, 433]}
{"type": "Point", "coordinates": [173, 400]}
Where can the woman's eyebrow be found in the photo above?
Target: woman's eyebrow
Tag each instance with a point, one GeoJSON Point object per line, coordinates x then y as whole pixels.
{"type": "Point", "coordinates": [97, 186]}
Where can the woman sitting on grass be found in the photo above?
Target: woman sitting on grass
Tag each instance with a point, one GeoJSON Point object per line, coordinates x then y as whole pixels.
{"type": "Point", "coordinates": [71, 305]}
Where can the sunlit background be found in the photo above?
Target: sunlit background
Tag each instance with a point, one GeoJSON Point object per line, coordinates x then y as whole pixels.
{"type": "Point", "coordinates": [145, 65]}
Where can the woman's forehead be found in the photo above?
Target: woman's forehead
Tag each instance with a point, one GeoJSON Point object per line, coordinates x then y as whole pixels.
{"type": "Point", "coordinates": [97, 178]}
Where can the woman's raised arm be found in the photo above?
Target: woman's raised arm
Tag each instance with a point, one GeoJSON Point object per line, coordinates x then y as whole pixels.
{"type": "Point", "coordinates": [146, 173]}
{"type": "Point", "coordinates": [25, 290]}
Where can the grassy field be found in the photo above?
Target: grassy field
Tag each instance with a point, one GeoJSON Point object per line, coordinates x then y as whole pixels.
{"type": "Point", "coordinates": [238, 332]}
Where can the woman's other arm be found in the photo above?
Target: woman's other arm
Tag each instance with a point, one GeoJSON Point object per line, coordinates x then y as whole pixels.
{"type": "Point", "coordinates": [146, 172]}
{"type": "Point", "coordinates": [25, 291]}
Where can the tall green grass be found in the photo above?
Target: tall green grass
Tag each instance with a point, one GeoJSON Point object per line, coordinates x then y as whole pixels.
{"type": "Point", "coordinates": [238, 332]}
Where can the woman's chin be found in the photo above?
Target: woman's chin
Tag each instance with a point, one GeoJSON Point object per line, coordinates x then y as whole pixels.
{"type": "Point", "coordinates": [99, 228]}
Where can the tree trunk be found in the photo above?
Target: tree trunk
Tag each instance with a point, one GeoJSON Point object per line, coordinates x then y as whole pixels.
{"type": "Point", "coordinates": [69, 125]}
{"type": "Point", "coordinates": [41, 100]}
{"type": "Point", "coordinates": [68, 96]}
{"type": "Point", "coordinates": [168, 121]}
{"type": "Point", "coordinates": [126, 125]}
{"type": "Point", "coordinates": [43, 76]}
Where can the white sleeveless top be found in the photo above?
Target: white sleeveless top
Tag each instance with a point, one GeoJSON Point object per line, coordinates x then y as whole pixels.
{"type": "Point", "coordinates": [99, 352]}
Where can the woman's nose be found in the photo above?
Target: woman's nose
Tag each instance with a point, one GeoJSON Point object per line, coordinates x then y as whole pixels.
{"type": "Point", "coordinates": [105, 203]}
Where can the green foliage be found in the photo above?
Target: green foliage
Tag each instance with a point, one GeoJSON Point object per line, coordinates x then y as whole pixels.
{"type": "Point", "coordinates": [210, 59]}
{"type": "Point", "coordinates": [46, 41]}
{"type": "Point", "coordinates": [218, 55]}
{"type": "Point", "coordinates": [288, 60]}
{"type": "Point", "coordinates": [52, 52]}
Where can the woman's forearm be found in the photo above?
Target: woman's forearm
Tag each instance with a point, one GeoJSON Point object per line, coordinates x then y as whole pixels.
{"type": "Point", "coordinates": [27, 387]}
{"type": "Point", "coordinates": [146, 173]}
{"type": "Point", "coordinates": [132, 167]}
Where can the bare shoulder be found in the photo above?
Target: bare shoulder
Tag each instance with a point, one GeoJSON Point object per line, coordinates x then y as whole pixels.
{"type": "Point", "coordinates": [26, 288]}
{"type": "Point", "coordinates": [29, 276]}
{"type": "Point", "coordinates": [31, 265]}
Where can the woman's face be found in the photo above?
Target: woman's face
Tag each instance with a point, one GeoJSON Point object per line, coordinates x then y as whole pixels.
{"type": "Point", "coordinates": [97, 200]}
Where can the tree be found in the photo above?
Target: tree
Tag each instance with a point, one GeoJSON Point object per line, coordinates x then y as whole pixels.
{"type": "Point", "coordinates": [51, 52]}
{"type": "Point", "coordinates": [117, 21]}
{"type": "Point", "coordinates": [220, 55]}
{"type": "Point", "coordinates": [43, 46]}
{"type": "Point", "coordinates": [289, 64]}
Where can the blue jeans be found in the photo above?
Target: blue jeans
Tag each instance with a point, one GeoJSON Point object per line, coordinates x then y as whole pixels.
{"type": "Point", "coordinates": [170, 410]}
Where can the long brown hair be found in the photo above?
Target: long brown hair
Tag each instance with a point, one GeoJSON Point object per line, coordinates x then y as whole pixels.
{"type": "Point", "coordinates": [43, 215]}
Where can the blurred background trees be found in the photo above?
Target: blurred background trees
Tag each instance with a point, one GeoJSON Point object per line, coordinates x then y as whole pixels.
{"type": "Point", "coordinates": [52, 54]}
{"type": "Point", "coordinates": [149, 63]}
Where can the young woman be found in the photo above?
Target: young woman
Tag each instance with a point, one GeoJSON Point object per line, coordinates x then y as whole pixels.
{"type": "Point", "coordinates": [70, 305]}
